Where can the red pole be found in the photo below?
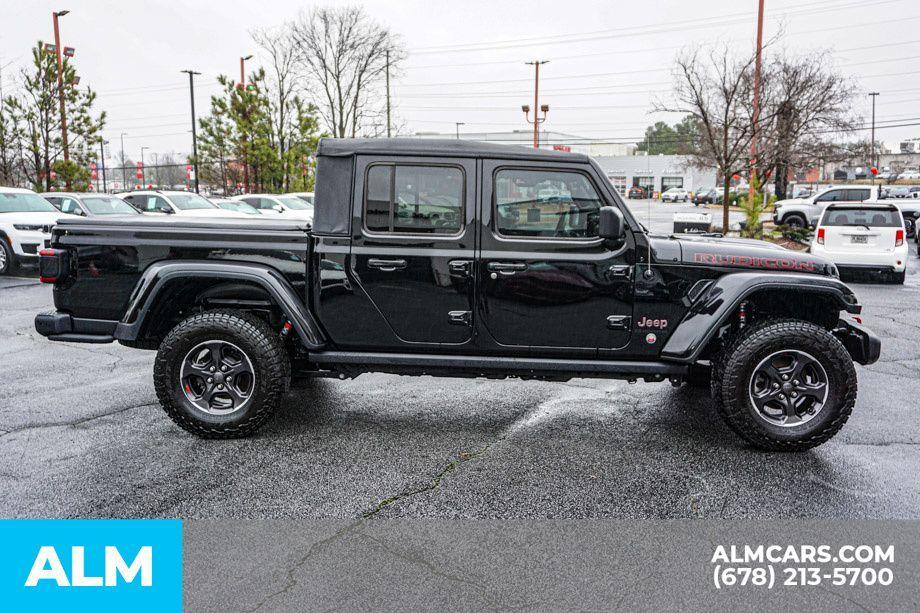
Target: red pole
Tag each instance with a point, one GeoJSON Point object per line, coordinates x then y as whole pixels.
{"type": "Point", "coordinates": [242, 72]}
{"type": "Point", "coordinates": [756, 105]}
{"type": "Point", "coordinates": [60, 80]}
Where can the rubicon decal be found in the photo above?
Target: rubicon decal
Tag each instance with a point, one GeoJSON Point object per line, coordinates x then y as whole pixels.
{"type": "Point", "coordinates": [747, 261]}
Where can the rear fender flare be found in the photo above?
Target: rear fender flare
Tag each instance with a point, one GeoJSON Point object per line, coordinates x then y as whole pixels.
{"type": "Point", "coordinates": [158, 276]}
{"type": "Point", "coordinates": [713, 307]}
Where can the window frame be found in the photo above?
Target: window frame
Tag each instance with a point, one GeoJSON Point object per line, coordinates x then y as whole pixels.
{"type": "Point", "coordinates": [588, 240]}
{"type": "Point", "coordinates": [392, 232]}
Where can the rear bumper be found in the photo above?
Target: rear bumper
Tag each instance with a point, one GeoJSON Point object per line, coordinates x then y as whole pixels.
{"type": "Point", "coordinates": [895, 260]}
{"type": "Point", "coordinates": [860, 342]}
{"type": "Point", "coordinates": [57, 326]}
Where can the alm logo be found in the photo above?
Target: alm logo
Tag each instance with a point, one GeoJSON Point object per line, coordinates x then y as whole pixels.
{"type": "Point", "coordinates": [48, 567]}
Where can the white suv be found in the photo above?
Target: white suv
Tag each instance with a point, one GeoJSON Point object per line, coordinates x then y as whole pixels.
{"type": "Point", "coordinates": [863, 236]}
{"type": "Point", "coordinates": [283, 206]}
{"type": "Point", "coordinates": [804, 212]}
{"type": "Point", "coordinates": [182, 204]}
{"type": "Point", "coordinates": [675, 194]}
{"type": "Point", "coordinates": [25, 227]}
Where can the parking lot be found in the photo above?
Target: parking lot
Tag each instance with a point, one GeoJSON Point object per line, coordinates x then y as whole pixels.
{"type": "Point", "coordinates": [82, 436]}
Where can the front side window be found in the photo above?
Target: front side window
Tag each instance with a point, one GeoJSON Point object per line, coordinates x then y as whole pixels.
{"type": "Point", "coordinates": [546, 204]}
{"type": "Point", "coordinates": [103, 205]}
{"type": "Point", "coordinates": [414, 199]}
{"type": "Point", "coordinates": [831, 196]}
{"type": "Point", "coordinates": [70, 206]}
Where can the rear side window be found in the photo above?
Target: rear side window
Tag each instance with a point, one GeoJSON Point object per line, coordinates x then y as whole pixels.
{"type": "Point", "coordinates": [545, 204]}
{"type": "Point", "coordinates": [854, 216]}
{"type": "Point", "coordinates": [414, 199]}
{"type": "Point", "coordinates": [857, 195]}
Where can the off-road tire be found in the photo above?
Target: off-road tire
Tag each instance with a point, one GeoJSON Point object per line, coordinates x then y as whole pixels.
{"type": "Point", "coordinates": [738, 361]}
{"type": "Point", "coordinates": [7, 264]}
{"type": "Point", "coordinates": [794, 220]}
{"type": "Point", "coordinates": [260, 344]}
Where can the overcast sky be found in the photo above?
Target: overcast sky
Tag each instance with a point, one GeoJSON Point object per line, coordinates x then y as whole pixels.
{"type": "Point", "coordinates": [608, 59]}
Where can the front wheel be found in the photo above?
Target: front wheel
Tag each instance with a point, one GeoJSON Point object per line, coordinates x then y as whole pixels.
{"type": "Point", "coordinates": [795, 221]}
{"type": "Point", "coordinates": [221, 374]}
{"type": "Point", "coordinates": [786, 385]}
{"type": "Point", "coordinates": [6, 258]}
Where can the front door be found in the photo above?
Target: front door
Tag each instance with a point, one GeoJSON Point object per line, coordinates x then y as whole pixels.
{"type": "Point", "coordinates": [547, 282]}
{"type": "Point", "coordinates": [413, 245]}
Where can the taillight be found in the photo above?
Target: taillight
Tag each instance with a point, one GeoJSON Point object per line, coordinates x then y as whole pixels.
{"type": "Point", "coordinates": [899, 238]}
{"type": "Point", "coordinates": [53, 265]}
{"type": "Point", "coordinates": [820, 236]}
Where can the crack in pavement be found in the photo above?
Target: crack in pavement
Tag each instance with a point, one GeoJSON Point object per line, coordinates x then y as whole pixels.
{"type": "Point", "coordinates": [76, 422]}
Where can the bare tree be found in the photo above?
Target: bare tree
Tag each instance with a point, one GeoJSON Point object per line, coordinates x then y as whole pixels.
{"type": "Point", "coordinates": [283, 88]}
{"type": "Point", "coordinates": [344, 57]}
{"type": "Point", "coordinates": [804, 103]}
{"type": "Point", "coordinates": [716, 91]}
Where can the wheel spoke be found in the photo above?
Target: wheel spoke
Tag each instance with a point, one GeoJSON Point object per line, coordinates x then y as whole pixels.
{"type": "Point", "coordinates": [816, 390]}
{"type": "Point", "coordinates": [788, 388]}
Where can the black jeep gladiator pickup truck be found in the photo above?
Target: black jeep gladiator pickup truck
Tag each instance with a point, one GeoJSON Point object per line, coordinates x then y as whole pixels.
{"type": "Point", "coordinates": [455, 258]}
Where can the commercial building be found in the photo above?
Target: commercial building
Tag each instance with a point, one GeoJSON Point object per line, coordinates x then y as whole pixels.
{"type": "Point", "coordinates": [655, 173]}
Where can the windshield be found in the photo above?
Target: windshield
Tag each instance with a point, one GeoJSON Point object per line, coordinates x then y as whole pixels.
{"type": "Point", "coordinates": [100, 205]}
{"type": "Point", "coordinates": [187, 202]}
{"type": "Point", "coordinates": [240, 207]}
{"type": "Point", "coordinates": [853, 216]}
{"type": "Point", "coordinates": [25, 203]}
{"type": "Point", "coordinates": [295, 203]}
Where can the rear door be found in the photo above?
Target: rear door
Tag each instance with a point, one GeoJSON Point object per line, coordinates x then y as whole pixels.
{"type": "Point", "coordinates": [860, 230]}
{"type": "Point", "coordinates": [413, 245]}
{"type": "Point", "coordinates": [547, 283]}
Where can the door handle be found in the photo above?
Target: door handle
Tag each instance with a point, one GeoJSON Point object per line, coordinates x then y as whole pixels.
{"type": "Point", "coordinates": [618, 322]}
{"type": "Point", "coordinates": [620, 270]}
{"type": "Point", "coordinates": [386, 265]}
{"type": "Point", "coordinates": [460, 267]}
{"type": "Point", "coordinates": [507, 268]}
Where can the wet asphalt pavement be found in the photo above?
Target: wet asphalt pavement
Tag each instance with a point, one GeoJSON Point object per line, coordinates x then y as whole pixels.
{"type": "Point", "coordinates": [81, 435]}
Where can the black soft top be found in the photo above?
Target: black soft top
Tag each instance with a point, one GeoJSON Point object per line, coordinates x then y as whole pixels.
{"type": "Point", "coordinates": [445, 147]}
{"type": "Point", "coordinates": [335, 167]}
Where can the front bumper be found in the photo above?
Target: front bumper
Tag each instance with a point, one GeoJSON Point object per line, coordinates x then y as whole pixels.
{"type": "Point", "coordinates": [27, 244]}
{"type": "Point", "coordinates": [860, 342]}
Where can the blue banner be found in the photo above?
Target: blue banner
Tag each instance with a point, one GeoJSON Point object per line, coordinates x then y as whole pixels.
{"type": "Point", "coordinates": [91, 565]}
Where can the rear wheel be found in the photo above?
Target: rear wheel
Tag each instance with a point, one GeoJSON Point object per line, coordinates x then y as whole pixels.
{"type": "Point", "coordinates": [221, 374]}
{"type": "Point", "coordinates": [786, 385]}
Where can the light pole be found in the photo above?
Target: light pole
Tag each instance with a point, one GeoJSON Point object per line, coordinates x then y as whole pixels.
{"type": "Point", "coordinates": [143, 170]}
{"type": "Point", "coordinates": [243, 69]}
{"type": "Point", "coordinates": [102, 145]}
{"type": "Point", "coordinates": [536, 102]}
{"type": "Point", "coordinates": [60, 79]}
{"type": "Point", "coordinates": [872, 162]}
{"type": "Point", "coordinates": [458, 124]}
{"type": "Point", "coordinates": [191, 92]}
{"type": "Point", "coordinates": [124, 166]}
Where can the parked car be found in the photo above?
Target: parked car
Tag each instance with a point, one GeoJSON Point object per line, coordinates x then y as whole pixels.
{"type": "Point", "coordinates": [307, 197]}
{"type": "Point", "coordinates": [25, 227]}
{"type": "Point", "coordinates": [287, 207]}
{"type": "Point", "coordinates": [675, 194]}
{"type": "Point", "coordinates": [174, 202]}
{"type": "Point", "coordinates": [89, 204]}
{"type": "Point", "coordinates": [235, 205]}
{"type": "Point", "coordinates": [804, 212]}
{"type": "Point", "coordinates": [897, 191]}
{"type": "Point", "coordinates": [911, 214]}
{"type": "Point", "coordinates": [636, 193]}
{"type": "Point", "coordinates": [909, 175]}
{"type": "Point", "coordinates": [863, 236]}
{"type": "Point", "coordinates": [709, 195]}
{"type": "Point", "coordinates": [380, 284]}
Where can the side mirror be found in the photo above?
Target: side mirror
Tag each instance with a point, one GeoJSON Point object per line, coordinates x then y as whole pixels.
{"type": "Point", "coordinates": [611, 225]}
{"type": "Point", "coordinates": [166, 209]}
{"type": "Point", "coordinates": [278, 208]}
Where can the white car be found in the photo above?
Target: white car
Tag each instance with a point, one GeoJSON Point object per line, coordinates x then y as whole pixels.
{"type": "Point", "coordinates": [308, 197]}
{"type": "Point", "coordinates": [909, 174]}
{"type": "Point", "coordinates": [676, 194]}
{"type": "Point", "coordinates": [182, 204]}
{"type": "Point", "coordinates": [863, 236]}
{"type": "Point", "coordinates": [804, 212]}
{"type": "Point", "coordinates": [25, 227]}
{"type": "Point", "coordinates": [283, 206]}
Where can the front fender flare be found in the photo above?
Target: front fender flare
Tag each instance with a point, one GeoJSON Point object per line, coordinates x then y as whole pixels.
{"type": "Point", "coordinates": [158, 275]}
{"type": "Point", "coordinates": [716, 304]}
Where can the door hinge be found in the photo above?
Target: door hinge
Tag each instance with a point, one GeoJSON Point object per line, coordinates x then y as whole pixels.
{"type": "Point", "coordinates": [618, 322]}
{"type": "Point", "coordinates": [460, 318]}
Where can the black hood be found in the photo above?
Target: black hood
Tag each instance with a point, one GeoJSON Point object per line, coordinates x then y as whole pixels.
{"type": "Point", "coordinates": [744, 253]}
